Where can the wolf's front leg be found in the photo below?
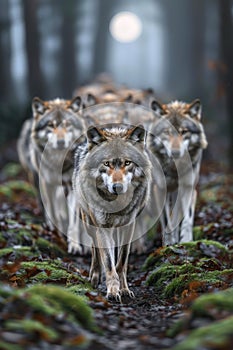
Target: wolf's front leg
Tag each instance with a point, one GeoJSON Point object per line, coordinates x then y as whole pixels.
{"type": "Point", "coordinates": [74, 225]}
{"type": "Point", "coordinates": [125, 234]}
{"type": "Point", "coordinates": [112, 278]}
{"type": "Point", "coordinates": [107, 257]}
{"type": "Point", "coordinates": [47, 199]}
{"type": "Point", "coordinates": [186, 233]}
{"type": "Point", "coordinates": [121, 268]}
{"type": "Point", "coordinates": [96, 268]}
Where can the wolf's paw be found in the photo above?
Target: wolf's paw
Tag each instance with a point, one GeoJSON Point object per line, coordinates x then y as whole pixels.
{"type": "Point", "coordinates": [127, 292]}
{"type": "Point", "coordinates": [114, 297]}
{"type": "Point", "coordinates": [113, 290]}
{"type": "Point", "coordinates": [94, 278]}
{"type": "Point", "coordinates": [74, 247]}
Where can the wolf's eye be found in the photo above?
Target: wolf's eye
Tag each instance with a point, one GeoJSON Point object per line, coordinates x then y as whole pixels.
{"type": "Point", "coordinates": [183, 131]}
{"type": "Point", "coordinates": [50, 124]}
{"type": "Point", "coordinates": [106, 163]}
{"type": "Point", "coordinates": [127, 162]}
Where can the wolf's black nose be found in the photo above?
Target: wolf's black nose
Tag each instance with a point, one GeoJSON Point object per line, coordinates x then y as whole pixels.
{"type": "Point", "coordinates": [60, 143]}
{"type": "Point", "coordinates": [117, 188]}
{"type": "Point", "coordinates": [175, 153]}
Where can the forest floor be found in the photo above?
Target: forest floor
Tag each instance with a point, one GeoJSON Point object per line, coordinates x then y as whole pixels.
{"type": "Point", "coordinates": [183, 294]}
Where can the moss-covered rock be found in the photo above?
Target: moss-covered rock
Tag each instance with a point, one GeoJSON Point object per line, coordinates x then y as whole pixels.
{"type": "Point", "coordinates": [46, 315]}
{"type": "Point", "coordinates": [11, 170]}
{"type": "Point", "coordinates": [213, 304]}
{"type": "Point", "coordinates": [24, 273]}
{"type": "Point", "coordinates": [16, 234]}
{"type": "Point", "coordinates": [181, 253]}
{"type": "Point", "coordinates": [188, 269]}
{"type": "Point", "coordinates": [217, 335]}
{"type": "Point", "coordinates": [11, 188]}
{"type": "Point", "coordinates": [209, 324]}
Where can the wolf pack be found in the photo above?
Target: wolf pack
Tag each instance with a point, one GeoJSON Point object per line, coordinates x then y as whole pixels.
{"type": "Point", "coordinates": [109, 164]}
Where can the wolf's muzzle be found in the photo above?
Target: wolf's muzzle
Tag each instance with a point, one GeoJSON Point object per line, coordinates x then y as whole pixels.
{"type": "Point", "coordinates": [117, 188]}
{"type": "Point", "coordinates": [176, 154]}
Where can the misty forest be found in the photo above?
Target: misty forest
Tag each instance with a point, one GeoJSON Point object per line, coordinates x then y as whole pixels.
{"type": "Point", "coordinates": [168, 50]}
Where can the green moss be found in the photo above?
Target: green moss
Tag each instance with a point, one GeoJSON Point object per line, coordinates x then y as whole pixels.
{"type": "Point", "coordinates": [47, 313]}
{"type": "Point", "coordinates": [5, 251]}
{"type": "Point", "coordinates": [214, 336]}
{"type": "Point", "coordinates": [7, 346]}
{"type": "Point", "coordinates": [38, 303]}
{"type": "Point", "coordinates": [184, 252]}
{"type": "Point", "coordinates": [202, 264]}
{"type": "Point", "coordinates": [164, 274]}
{"type": "Point", "coordinates": [205, 279]}
{"type": "Point", "coordinates": [198, 233]}
{"type": "Point", "coordinates": [49, 270]}
{"type": "Point", "coordinates": [177, 327]}
{"type": "Point", "coordinates": [11, 170]}
{"type": "Point", "coordinates": [17, 251]}
{"type": "Point", "coordinates": [5, 291]}
{"type": "Point", "coordinates": [80, 290]}
{"type": "Point", "coordinates": [2, 238]}
{"type": "Point", "coordinates": [65, 300]}
{"type": "Point", "coordinates": [219, 301]}
{"type": "Point", "coordinates": [47, 247]}
{"type": "Point", "coordinates": [209, 195]}
{"type": "Point", "coordinates": [9, 188]}
{"type": "Point", "coordinates": [32, 326]}
{"type": "Point", "coordinates": [25, 235]}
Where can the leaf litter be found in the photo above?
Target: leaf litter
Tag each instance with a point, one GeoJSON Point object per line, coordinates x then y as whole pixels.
{"type": "Point", "coordinates": [168, 282]}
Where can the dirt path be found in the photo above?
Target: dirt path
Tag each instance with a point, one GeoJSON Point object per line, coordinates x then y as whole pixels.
{"type": "Point", "coordinates": [32, 254]}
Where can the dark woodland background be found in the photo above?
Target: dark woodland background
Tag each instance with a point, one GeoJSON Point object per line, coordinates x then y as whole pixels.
{"type": "Point", "coordinates": [185, 51]}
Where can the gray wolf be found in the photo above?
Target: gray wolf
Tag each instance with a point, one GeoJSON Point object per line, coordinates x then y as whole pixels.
{"type": "Point", "coordinates": [100, 112]}
{"type": "Point", "coordinates": [46, 149]}
{"type": "Point", "coordinates": [111, 182]}
{"type": "Point", "coordinates": [177, 139]}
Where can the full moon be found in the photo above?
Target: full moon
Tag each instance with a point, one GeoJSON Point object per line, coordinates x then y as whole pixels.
{"type": "Point", "coordinates": [125, 27]}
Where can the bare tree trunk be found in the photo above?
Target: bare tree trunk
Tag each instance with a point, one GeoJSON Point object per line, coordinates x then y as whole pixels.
{"type": "Point", "coordinates": [196, 53]}
{"type": "Point", "coordinates": [184, 25]}
{"type": "Point", "coordinates": [68, 65]}
{"type": "Point", "coordinates": [226, 45]}
{"type": "Point", "coordinates": [102, 35]}
{"type": "Point", "coordinates": [35, 76]}
{"type": "Point", "coordinates": [5, 53]}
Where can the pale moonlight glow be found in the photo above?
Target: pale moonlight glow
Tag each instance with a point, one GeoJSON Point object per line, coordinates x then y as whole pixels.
{"type": "Point", "coordinates": [125, 27]}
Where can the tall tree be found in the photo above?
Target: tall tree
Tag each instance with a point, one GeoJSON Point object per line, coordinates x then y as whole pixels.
{"type": "Point", "coordinates": [184, 25]}
{"type": "Point", "coordinates": [104, 13]}
{"type": "Point", "coordinates": [35, 77]}
{"type": "Point", "coordinates": [226, 48]}
{"type": "Point", "coordinates": [5, 53]}
{"type": "Point", "coordinates": [69, 77]}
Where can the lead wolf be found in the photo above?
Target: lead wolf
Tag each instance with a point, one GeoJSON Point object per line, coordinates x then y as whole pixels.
{"type": "Point", "coordinates": [111, 182]}
{"type": "Point", "coordinates": [46, 149]}
{"type": "Point", "coordinates": [107, 107]}
{"type": "Point", "coordinates": [177, 139]}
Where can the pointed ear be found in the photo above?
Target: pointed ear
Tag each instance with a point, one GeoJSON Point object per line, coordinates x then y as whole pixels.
{"type": "Point", "coordinates": [158, 108]}
{"type": "Point", "coordinates": [128, 98]}
{"type": "Point", "coordinates": [95, 136]}
{"type": "Point", "coordinates": [38, 106]}
{"type": "Point", "coordinates": [75, 104]}
{"type": "Point", "coordinates": [195, 109]}
{"type": "Point", "coordinates": [91, 100]}
{"type": "Point", "coordinates": [137, 134]}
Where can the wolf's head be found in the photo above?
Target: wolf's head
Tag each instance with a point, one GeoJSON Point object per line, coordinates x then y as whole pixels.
{"type": "Point", "coordinates": [56, 122]}
{"type": "Point", "coordinates": [116, 158]}
{"type": "Point", "coordinates": [177, 128]}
